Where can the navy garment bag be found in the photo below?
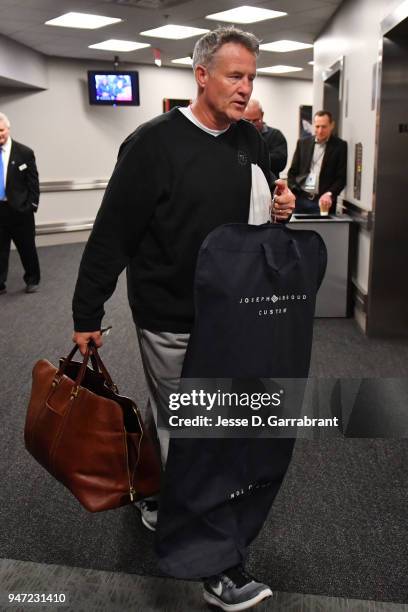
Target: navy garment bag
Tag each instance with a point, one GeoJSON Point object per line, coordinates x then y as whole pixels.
{"type": "Point", "coordinates": [255, 291]}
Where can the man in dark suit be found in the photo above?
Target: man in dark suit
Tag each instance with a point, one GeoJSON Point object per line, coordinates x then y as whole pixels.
{"type": "Point", "coordinates": [277, 145]}
{"type": "Point", "coordinates": [319, 168]}
{"type": "Point", "coordinates": [19, 195]}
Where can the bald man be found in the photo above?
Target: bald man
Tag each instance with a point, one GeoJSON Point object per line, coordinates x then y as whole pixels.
{"type": "Point", "coordinates": [275, 140]}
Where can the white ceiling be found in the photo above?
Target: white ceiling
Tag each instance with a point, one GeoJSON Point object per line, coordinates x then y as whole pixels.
{"type": "Point", "coordinates": [23, 21]}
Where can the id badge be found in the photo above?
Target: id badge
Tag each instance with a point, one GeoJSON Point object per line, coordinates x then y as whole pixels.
{"type": "Point", "coordinates": [310, 182]}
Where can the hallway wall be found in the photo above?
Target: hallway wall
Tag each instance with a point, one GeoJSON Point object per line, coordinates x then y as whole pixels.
{"type": "Point", "coordinates": [74, 141]}
{"type": "Point", "coordinates": [21, 66]}
{"type": "Point", "coordinates": [354, 34]}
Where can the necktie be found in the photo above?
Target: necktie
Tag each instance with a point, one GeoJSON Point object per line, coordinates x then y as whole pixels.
{"type": "Point", "coordinates": [2, 186]}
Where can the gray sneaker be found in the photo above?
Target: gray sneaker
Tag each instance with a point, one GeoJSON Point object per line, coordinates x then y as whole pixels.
{"type": "Point", "coordinates": [32, 288]}
{"type": "Point", "coordinates": [234, 590]}
{"type": "Point", "coordinates": [148, 511]}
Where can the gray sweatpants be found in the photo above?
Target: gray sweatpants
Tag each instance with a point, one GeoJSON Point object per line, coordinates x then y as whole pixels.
{"type": "Point", "coordinates": [162, 357]}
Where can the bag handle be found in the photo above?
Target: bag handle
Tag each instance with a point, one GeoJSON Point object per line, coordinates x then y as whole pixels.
{"type": "Point", "coordinates": [272, 263]}
{"type": "Point", "coordinates": [94, 361]}
{"type": "Point", "coordinates": [65, 361]}
{"type": "Point", "coordinates": [108, 379]}
{"type": "Point", "coordinates": [81, 373]}
{"type": "Point", "coordinates": [97, 363]}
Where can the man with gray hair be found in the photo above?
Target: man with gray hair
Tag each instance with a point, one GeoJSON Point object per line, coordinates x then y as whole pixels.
{"type": "Point", "coordinates": [19, 195]}
{"type": "Point", "coordinates": [178, 177]}
{"type": "Point", "coordinates": [277, 145]}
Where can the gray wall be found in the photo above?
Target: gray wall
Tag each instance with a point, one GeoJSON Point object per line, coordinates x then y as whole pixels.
{"type": "Point", "coordinates": [75, 141]}
{"type": "Point", "coordinates": [22, 66]}
{"type": "Point", "coordinates": [354, 33]}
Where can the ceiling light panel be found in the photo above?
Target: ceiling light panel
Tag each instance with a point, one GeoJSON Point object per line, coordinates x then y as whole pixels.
{"type": "Point", "coordinates": [187, 61]}
{"type": "Point", "coordinates": [279, 69]}
{"type": "Point", "coordinates": [119, 45]}
{"type": "Point", "coordinates": [82, 20]}
{"type": "Point", "coordinates": [283, 46]}
{"type": "Point", "coordinates": [246, 14]}
{"type": "Point", "coordinates": [174, 32]}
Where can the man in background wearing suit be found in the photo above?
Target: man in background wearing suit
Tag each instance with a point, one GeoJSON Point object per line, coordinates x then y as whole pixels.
{"type": "Point", "coordinates": [319, 167]}
{"type": "Point", "coordinates": [19, 195]}
{"type": "Point", "coordinates": [275, 140]}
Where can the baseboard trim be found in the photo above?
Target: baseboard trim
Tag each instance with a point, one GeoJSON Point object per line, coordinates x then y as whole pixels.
{"type": "Point", "coordinates": [60, 228]}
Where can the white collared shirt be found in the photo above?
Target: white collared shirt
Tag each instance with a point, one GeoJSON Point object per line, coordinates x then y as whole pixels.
{"type": "Point", "coordinates": [6, 150]}
{"type": "Point", "coordinates": [187, 112]}
{"type": "Point", "coordinates": [317, 160]}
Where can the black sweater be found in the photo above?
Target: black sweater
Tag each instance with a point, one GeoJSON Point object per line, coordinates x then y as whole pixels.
{"type": "Point", "coordinates": [173, 184]}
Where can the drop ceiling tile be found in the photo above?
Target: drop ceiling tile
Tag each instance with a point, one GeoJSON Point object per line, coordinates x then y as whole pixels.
{"type": "Point", "coordinates": [23, 20]}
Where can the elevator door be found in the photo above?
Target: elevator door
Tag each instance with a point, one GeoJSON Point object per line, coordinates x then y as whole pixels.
{"type": "Point", "coordinates": [387, 309]}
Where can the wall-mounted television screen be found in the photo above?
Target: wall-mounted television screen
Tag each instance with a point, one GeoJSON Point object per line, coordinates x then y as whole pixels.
{"type": "Point", "coordinates": [113, 88]}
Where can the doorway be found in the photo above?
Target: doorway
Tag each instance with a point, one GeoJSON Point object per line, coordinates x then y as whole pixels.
{"type": "Point", "coordinates": [387, 307]}
{"type": "Point", "coordinates": [332, 91]}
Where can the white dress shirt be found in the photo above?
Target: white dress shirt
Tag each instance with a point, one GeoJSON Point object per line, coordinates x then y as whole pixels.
{"type": "Point", "coordinates": [5, 153]}
{"type": "Point", "coordinates": [317, 160]}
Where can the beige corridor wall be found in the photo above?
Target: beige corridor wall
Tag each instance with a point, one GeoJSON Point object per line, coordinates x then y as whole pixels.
{"type": "Point", "coordinates": [75, 141]}
{"type": "Point", "coordinates": [355, 34]}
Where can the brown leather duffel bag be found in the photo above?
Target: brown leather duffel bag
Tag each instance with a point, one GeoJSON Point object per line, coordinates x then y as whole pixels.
{"type": "Point", "coordinates": [88, 436]}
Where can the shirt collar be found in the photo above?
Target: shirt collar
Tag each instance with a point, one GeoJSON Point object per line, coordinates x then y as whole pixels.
{"type": "Point", "coordinates": [7, 145]}
{"type": "Point", "coordinates": [187, 112]}
{"type": "Point", "coordinates": [322, 143]}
